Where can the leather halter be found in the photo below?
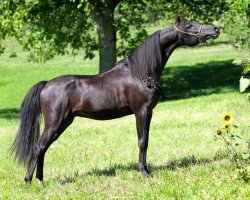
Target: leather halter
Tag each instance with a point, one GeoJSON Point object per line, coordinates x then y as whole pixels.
{"type": "Point", "coordinates": [198, 34]}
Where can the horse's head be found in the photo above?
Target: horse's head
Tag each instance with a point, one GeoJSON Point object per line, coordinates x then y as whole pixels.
{"type": "Point", "coordinates": [192, 33]}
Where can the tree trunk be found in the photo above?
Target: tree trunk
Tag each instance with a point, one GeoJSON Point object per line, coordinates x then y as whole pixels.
{"type": "Point", "coordinates": [103, 15]}
{"type": "Point", "coordinates": [107, 41]}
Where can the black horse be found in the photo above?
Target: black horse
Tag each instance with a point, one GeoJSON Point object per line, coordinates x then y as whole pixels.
{"type": "Point", "coordinates": [131, 87]}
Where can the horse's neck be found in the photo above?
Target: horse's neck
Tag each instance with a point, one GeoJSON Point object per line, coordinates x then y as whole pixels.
{"type": "Point", "coordinates": [169, 41]}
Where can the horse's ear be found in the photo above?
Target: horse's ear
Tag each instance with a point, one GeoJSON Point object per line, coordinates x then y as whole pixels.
{"type": "Point", "coordinates": [179, 19]}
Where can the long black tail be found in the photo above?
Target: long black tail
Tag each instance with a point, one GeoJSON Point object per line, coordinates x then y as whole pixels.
{"type": "Point", "coordinates": [29, 130]}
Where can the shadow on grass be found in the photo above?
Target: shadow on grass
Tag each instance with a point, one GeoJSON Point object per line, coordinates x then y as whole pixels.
{"type": "Point", "coordinates": [185, 81]}
{"type": "Point", "coordinates": [172, 165]}
{"type": "Point", "coordinates": [9, 113]}
{"type": "Point", "coordinates": [200, 79]}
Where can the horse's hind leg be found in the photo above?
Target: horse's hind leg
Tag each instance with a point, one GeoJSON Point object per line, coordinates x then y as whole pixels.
{"type": "Point", "coordinates": [46, 138]}
{"type": "Point", "coordinates": [53, 129]}
{"type": "Point", "coordinates": [40, 161]}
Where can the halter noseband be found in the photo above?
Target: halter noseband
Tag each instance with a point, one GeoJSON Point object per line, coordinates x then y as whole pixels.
{"type": "Point", "coordinates": [193, 34]}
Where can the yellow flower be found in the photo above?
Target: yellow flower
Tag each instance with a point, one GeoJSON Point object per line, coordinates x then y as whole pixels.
{"type": "Point", "coordinates": [226, 126]}
{"type": "Point", "coordinates": [227, 118]}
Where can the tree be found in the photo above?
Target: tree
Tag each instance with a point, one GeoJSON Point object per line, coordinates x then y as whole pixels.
{"type": "Point", "coordinates": [199, 10]}
{"type": "Point", "coordinates": [236, 22]}
{"type": "Point", "coordinates": [54, 27]}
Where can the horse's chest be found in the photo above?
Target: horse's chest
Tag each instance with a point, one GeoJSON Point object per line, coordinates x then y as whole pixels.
{"type": "Point", "coordinates": [143, 97]}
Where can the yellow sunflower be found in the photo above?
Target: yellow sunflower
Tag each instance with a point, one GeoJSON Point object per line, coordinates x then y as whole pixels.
{"type": "Point", "coordinates": [226, 126]}
{"type": "Point", "coordinates": [227, 117]}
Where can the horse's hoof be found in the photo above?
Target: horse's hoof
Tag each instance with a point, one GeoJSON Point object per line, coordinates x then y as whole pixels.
{"type": "Point", "coordinates": [40, 182]}
{"type": "Point", "coordinates": [146, 174]}
{"type": "Point", "coordinates": [27, 180]}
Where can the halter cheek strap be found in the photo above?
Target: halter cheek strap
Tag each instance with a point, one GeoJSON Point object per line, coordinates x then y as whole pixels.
{"type": "Point", "coordinates": [198, 34]}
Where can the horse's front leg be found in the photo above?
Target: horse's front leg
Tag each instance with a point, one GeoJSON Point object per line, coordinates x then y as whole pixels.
{"type": "Point", "coordinates": [143, 118]}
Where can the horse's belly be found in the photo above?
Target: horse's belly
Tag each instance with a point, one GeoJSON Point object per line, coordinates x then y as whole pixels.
{"type": "Point", "coordinates": [105, 114]}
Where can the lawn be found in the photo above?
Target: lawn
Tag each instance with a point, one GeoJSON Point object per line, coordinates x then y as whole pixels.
{"type": "Point", "coordinates": [98, 159]}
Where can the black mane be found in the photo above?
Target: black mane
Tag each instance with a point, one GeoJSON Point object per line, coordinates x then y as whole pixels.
{"type": "Point", "coordinates": [147, 57]}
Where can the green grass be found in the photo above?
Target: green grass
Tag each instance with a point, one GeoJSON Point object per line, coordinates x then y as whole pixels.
{"type": "Point", "coordinates": [97, 159]}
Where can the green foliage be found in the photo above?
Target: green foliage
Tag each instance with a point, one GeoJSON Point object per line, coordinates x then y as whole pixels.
{"type": "Point", "coordinates": [198, 10]}
{"type": "Point", "coordinates": [236, 22]}
{"type": "Point", "coordinates": [128, 16]}
{"type": "Point", "coordinates": [245, 63]}
{"type": "Point", "coordinates": [244, 81]}
{"type": "Point", "coordinates": [48, 28]}
{"type": "Point", "coordinates": [237, 25]}
{"type": "Point", "coordinates": [131, 18]}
